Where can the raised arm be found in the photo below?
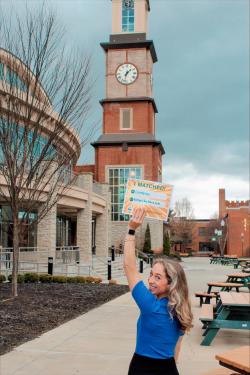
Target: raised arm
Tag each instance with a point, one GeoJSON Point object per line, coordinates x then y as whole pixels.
{"type": "Point", "coordinates": [130, 268]}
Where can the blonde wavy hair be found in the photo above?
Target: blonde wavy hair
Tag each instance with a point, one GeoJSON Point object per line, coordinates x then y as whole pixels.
{"type": "Point", "coordinates": [179, 304]}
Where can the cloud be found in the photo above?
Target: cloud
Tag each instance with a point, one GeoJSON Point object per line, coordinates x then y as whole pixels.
{"type": "Point", "coordinates": [202, 189]}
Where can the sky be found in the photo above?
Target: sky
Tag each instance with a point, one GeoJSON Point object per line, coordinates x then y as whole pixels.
{"type": "Point", "coordinates": [201, 89]}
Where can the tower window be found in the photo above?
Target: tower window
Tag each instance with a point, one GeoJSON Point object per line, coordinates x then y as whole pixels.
{"type": "Point", "coordinates": [126, 118]}
{"type": "Point", "coordinates": [128, 16]}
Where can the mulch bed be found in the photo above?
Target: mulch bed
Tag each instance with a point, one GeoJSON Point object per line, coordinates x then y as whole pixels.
{"type": "Point", "coordinates": [41, 307]}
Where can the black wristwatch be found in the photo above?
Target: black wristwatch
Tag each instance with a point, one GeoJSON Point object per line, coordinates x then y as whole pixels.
{"type": "Point", "coordinates": [131, 232]}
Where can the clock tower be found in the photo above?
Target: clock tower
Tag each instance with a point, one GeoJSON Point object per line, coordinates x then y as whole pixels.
{"type": "Point", "coordinates": [127, 146]}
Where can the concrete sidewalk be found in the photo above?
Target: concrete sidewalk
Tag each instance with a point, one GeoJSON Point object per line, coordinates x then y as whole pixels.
{"type": "Point", "coordinates": [102, 341]}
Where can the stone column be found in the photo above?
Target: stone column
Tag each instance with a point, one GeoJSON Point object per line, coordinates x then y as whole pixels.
{"type": "Point", "coordinates": [84, 218]}
{"type": "Point", "coordinates": [103, 225]}
{"type": "Point", "coordinates": [46, 232]}
{"type": "Point", "coordinates": [46, 227]}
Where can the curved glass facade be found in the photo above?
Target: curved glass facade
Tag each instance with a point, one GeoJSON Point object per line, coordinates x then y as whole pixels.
{"type": "Point", "coordinates": [11, 77]}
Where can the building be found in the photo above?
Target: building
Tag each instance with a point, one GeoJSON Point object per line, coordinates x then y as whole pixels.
{"type": "Point", "coordinates": [127, 146]}
{"type": "Point", "coordinates": [81, 218]}
{"type": "Point", "coordinates": [228, 234]}
{"type": "Point", "coordinates": [236, 216]}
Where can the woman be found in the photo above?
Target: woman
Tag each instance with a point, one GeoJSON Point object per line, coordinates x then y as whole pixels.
{"type": "Point", "coordinates": [165, 313]}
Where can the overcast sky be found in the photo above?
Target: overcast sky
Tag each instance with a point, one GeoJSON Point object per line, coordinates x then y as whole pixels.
{"type": "Point", "coordinates": [201, 88]}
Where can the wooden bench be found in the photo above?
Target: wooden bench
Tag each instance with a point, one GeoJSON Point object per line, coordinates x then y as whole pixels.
{"type": "Point", "coordinates": [206, 296]}
{"type": "Point", "coordinates": [184, 254]}
{"type": "Point", "coordinates": [220, 371]}
{"type": "Point", "coordinates": [237, 360]}
{"type": "Point", "coordinates": [207, 312]}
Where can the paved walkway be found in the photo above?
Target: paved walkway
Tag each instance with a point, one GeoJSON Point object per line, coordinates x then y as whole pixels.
{"type": "Point", "coordinates": [102, 341]}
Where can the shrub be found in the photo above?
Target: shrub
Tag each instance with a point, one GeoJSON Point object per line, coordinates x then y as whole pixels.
{"type": "Point", "coordinates": [31, 277]}
{"type": "Point", "coordinates": [2, 278]}
{"type": "Point", "coordinates": [175, 256]}
{"type": "Point", "coordinates": [97, 280]}
{"type": "Point", "coordinates": [147, 241]}
{"type": "Point", "coordinates": [166, 244]}
{"type": "Point", "coordinates": [80, 279]}
{"type": "Point", "coordinates": [71, 279]}
{"type": "Point", "coordinates": [45, 278]}
{"type": "Point", "coordinates": [20, 278]}
{"type": "Point", "coordinates": [59, 279]}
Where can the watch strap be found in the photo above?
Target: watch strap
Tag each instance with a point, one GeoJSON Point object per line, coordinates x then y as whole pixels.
{"type": "Point", "coordinates": [131, 232]}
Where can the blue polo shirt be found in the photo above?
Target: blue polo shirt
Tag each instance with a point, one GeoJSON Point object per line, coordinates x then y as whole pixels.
{"type": "Point", "coordinates": [157, 332]}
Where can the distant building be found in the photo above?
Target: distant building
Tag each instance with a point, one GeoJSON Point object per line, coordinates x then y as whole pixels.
{"type": "Point", "coordinates": [229, 234]}
{"type": "Point", "coordinates": [237, 220]}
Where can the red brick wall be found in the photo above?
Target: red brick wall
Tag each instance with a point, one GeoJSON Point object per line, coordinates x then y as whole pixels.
{"type": "Point", "coordinates": [237, 244]}
{"type": "Point", "coordinates": [84, 168]}
{"type": "Point", "coordinates": [237, 224]}
{"type": "Point", "coordinates": [142, 117]}
{"type": "Point", "coordinates": [147, 156]}
{"type": "Point", "coordinates": [196, 237]}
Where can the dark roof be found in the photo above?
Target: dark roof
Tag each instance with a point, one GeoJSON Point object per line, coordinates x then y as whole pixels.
{"type": "Point", "coordinates": [141, 99]}
{"type": "Point", "coordinates": [130, 139]}
{"type": "Point", "coordinates": [128, 43]}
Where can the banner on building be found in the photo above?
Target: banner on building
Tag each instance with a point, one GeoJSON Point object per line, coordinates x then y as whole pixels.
{"type": "Point", "coordinates": [153, 196]}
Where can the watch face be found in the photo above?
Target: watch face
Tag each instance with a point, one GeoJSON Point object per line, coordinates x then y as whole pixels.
{"type": "Point", "coordinates": [126, 74]}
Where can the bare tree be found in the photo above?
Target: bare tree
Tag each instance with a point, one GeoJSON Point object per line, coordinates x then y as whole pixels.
{"type": "Point", "coordinates": [182, 224]}
{"type": "Point", "coordinates": [44, 101]}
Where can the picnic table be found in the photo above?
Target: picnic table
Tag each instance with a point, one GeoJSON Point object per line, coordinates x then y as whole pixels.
{"type": "Point", "coordinates": [237, 359]}
{"type": "Point", "coordinates": [232, 312]}
{"type": "Point", "coordinates": [240, 277]}
{"type": "Point", "coordinates": [225, 286]}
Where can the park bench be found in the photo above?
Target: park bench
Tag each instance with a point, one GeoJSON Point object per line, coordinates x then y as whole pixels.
{"type": "Point", "coordinates": [224, 286]}
{"type": "Point", "coordinates": [220, 371]}
{"type": "Point", "coordinates": [237, 360]}
{"type": "Point", "coordinates": [215, 259]}
{"type": "Point", "coordinates": [206, 297]}
{"type": "Point", "coordinates": [207, 313]}
{"type": "Point", "coordinates": [183, 255]}
{"type": "Point", "coordinates": [232, 312]}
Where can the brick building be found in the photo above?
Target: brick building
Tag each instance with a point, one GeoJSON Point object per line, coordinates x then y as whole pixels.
{"type": "Point", "coordinates": [237, 222]}
{"type": "Point", "coordinates": [127, 146]}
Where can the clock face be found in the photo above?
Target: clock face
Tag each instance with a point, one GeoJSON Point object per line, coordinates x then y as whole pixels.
{"type": "Point", "coordinates": [126, 74]}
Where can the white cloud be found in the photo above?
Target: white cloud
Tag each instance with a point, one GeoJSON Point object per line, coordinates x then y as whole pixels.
{"type": "Point", "coordinates": [202, 189]}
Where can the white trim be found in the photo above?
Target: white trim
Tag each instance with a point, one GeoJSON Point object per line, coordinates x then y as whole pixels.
{"type": "Point", "coordinates": [237, 208]}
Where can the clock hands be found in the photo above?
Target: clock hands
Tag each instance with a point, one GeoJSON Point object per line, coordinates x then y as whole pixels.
{"type": "Point", "coordinates": [127, 72]}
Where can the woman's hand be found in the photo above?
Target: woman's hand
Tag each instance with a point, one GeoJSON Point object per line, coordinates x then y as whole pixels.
{"type": "Point", "coordinates": [137, 218]}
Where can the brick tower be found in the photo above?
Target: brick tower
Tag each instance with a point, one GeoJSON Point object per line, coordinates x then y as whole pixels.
{"type": "Point", "coordinates": [127, 147]}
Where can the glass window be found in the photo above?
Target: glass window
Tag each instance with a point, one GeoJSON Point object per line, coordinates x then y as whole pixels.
{"type": "Point", "coordinates": [128, 13]}
{"type": "Point", "coordinates": [118, 187]}
{"type": "Point", "coordinates": [1, 72]}
{"type": "Point", "coordinates": [14, 80]}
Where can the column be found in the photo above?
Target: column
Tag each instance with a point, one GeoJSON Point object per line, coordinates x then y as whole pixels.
{"type": "Point", "coordinates": [84, 218]}
{"type": "Point", "coordinates": [46, 232]}
{"type": "Point", "coordinates": [103, 225]}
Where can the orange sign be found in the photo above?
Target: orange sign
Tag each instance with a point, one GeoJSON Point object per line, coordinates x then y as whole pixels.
{"type": "Point", "coordinates": [153, 196]}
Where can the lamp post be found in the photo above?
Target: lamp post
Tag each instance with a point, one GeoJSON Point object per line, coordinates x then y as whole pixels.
{"type": "Point", "coordinates": [242, 242]}
{"type": "Point", "coordinates": [219, 233]}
